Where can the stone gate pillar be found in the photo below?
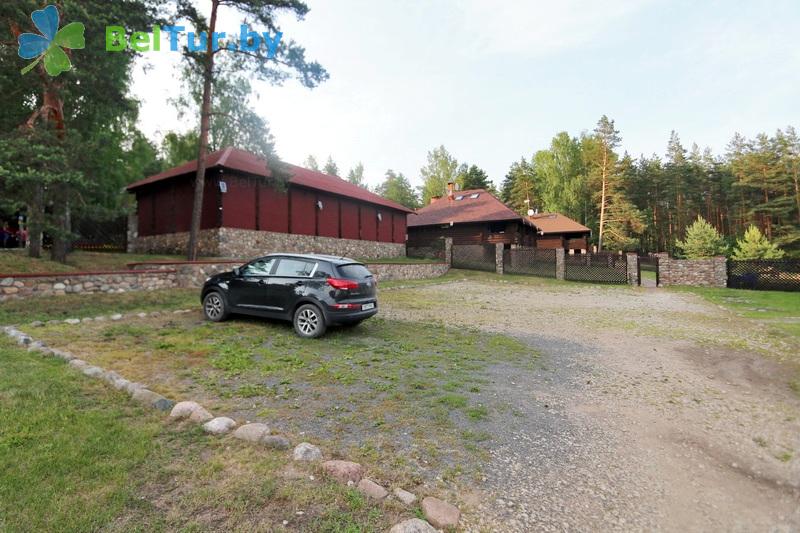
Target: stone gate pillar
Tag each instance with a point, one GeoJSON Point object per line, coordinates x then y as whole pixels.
{"type": "Point", "coordinates": [498, 257]}
{"type": "Point", "coordinates": [632, 261]}
{"type": "Point", "coordinates": [560, 267]}
{"type": "Point", "coordinates": [448, 251]}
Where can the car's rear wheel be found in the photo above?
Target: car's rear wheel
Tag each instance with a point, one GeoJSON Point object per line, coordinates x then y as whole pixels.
{"type": "Point", "coordinates": [309, 321]}
{"type": "Point", "coordinates": [214, 307]}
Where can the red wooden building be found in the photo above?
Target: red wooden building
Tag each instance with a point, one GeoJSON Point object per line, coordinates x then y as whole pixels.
{"type": "Point", "coordinates": [245, 213]}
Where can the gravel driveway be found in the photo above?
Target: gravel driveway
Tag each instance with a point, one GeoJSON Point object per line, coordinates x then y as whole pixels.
{"type": "Point", "coordinates": [651, 410]}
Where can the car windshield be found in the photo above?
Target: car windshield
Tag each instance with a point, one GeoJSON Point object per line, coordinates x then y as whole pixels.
{"type": "Point", "coordinates": [354, 271]}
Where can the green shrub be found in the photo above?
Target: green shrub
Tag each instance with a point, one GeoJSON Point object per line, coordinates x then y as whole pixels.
{"type": "Point", "coordinates": [702, 240]}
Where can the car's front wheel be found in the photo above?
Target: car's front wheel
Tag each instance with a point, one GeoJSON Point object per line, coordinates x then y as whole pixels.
{"type": "Point", "coordinates": [214, 307]}
{"type": "Point", "coordinates": [309, 322]}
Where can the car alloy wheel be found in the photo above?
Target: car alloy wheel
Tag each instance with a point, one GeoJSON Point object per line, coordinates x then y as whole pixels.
{"type": "Point", "coordinates": [214, 307]}
{"type": "Point", "coordinates": [308, 321]}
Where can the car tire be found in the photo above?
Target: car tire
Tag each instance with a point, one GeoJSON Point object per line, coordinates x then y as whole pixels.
{"type": "Point", "coordinates": [309, 322]}
{"type": "Point", "coordinates": [215, 308]}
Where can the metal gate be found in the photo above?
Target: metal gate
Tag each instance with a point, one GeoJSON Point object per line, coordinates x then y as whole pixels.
{"type": "Point", "coordinates": [530, 261]}
{"type": "Point", "coordinates": [649, 265]}
{"type": "Point", "coordinates": [601, 267]}
{"type": "Point", "coordinates": [474, 257]}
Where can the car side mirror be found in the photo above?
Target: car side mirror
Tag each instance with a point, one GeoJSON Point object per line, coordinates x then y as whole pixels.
{"type": "Point", "coordinates": [237, 271]}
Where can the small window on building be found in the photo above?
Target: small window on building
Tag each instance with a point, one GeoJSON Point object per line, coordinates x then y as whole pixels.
{"type": "Point", "coordinates": [474, 195]}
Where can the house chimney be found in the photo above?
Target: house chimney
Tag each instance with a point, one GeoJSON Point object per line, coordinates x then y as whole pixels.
{"type": "Point", "coordinates": [450, 190]}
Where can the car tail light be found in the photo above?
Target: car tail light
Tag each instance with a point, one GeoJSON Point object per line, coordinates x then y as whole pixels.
{"type": "Point", "coordinates": [342, 284]}
{"type": "Point", "coordinates": [346, 306]}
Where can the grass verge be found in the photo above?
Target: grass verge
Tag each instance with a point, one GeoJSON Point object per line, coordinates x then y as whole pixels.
{"type": "Point", "coordinates": [76, 456]}
{"type": "Point", "coordinates": [18, 262]}
{"type": "Point", "coordinates": [90, 305]}
{"type": "Point", "coordinates": [398, 395]}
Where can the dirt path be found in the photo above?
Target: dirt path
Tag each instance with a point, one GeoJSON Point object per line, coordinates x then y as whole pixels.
{"type": "Point", "coordinates": [652, 410]}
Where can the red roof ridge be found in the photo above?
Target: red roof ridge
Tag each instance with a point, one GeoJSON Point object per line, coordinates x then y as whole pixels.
{"type": "Point", "coordinates": [244, 161]}
{"type": "Point", "coordinates": [486, 208]}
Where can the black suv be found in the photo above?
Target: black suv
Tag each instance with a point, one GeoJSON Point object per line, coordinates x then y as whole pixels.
{"type": "Point", "coordinates": [313, 291]}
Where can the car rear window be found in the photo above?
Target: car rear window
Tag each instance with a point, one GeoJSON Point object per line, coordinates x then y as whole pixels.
{"type": "Point", "coordinates": [354, 271]}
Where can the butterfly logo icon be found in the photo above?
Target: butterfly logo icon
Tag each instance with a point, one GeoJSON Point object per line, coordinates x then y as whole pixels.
{"type": "Point", "coordinates": [51, 43]}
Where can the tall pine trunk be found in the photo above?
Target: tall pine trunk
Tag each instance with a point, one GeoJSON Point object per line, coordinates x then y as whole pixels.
{"type": "Point", "coordinates": [202, 150]}
{"type": "Point", "coordinates": [604, 177]}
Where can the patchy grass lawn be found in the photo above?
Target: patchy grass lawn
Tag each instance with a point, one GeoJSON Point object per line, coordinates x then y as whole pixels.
{"type": "Point", "coordinates": [407, 398]}
{"type": "Point", "coordinates": [91, 305]}
{"type": "Point", "coordinates": [781, 310]}
{"type": "Point", "coordinates": [18, 262]}
{"type": "Point", "coordinates": [77, 456]}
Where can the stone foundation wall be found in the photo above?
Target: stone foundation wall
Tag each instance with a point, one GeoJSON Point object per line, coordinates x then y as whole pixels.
{"type": "Point", "coordinates": [250, 243]}
{"type": "Point", "coordinates": [35, 285]}
{"type": "Point", "coordinates": [400, 271]}
{"type": "Point", "coordinates": [194, 274]}
{"type": "Point", "coordinates": [176, 243]}
{"type": "Point", "coordinates": [233, 242]}
{"type": "Point", "coordinates": [710, 272]}
{"type": "Point", "coordinates": [190, 274]}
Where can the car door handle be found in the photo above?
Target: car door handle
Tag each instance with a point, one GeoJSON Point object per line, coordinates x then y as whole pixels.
{"type": "Point", "coordinates": [264, 282]}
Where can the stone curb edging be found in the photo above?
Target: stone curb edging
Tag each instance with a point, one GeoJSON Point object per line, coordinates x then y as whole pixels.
{"type": "Point", "coordinates": [437, 512]}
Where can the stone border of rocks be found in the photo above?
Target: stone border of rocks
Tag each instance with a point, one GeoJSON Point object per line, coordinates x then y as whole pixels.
{"type": "Point", "coordinates": [439, 514]}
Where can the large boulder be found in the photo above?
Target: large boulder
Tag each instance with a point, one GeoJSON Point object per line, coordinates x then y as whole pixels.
{"type": "Point", "coordinates": [183, 410]}
{"type": "Point", "coordinates": [306, 452]}
{"type": "Point", "coordinates": [372, 490]}
{"type": "Point", "coordinates": [200, 416]}
{"type": "Point", "coordinates": [251, 432]}
{"type": "Point", "coordinates": [343, 471]}
{"type": "Point", "coordinates": [219, 425]}
{"type": "Point", "coordinates": [440, 513]}
{"type": "Point", "coordinates": [413, 525]}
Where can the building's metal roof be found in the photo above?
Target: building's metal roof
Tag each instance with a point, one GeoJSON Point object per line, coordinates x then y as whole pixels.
{"type": "Point", "coordinates": [243, 161]}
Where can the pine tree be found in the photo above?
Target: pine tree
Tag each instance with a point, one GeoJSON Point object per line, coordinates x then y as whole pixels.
{"type": "Point", "coordinates": [397, 188]}
{"type": "Point", "coordinates": [603, 168]}
{"type": "Point", "coordinates": [331, 167]}
{"type": "Point", "coordinates": [356, 175]}
{"type": "Point", "coordinates": [702, 240]}
{"type": "Point", "coordinates": [754, 245]}
{"type": "Point", "coordinates": [474, 177]}
{"type": "Point", "coordinates": [311, 163]}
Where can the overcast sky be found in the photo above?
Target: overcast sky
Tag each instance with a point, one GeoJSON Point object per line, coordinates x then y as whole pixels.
{"type": "Point", "coordinates": [494, 81]}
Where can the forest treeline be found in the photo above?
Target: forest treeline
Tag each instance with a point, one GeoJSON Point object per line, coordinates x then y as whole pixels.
{"type": "Point", "coordinates": [647, 203]}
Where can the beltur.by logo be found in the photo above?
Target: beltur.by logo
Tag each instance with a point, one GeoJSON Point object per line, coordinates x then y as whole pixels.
{"type": "Point", "coordinates": [50, 44]}
{"type": "Point", "coordinates": [249, 41]}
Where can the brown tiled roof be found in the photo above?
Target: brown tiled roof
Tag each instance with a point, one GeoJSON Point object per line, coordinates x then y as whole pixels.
{"type": "Point", "coordinates": [243, 161]}
{"type": "Point", "coordinates": [484, 208]}
{"type": "Point", "coordinates": [556, 223]}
